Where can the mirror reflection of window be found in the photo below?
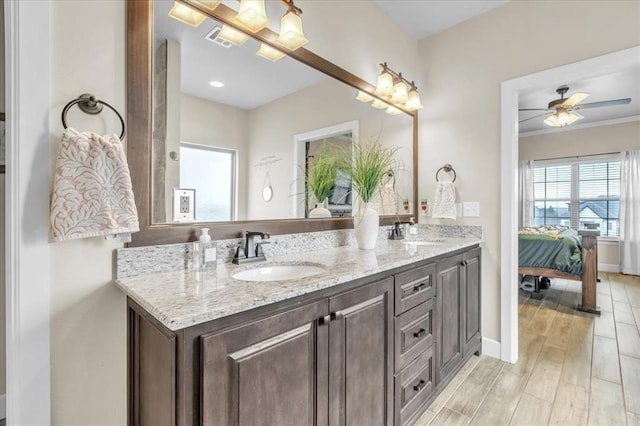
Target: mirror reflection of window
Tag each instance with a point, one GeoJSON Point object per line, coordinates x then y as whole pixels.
{"type": "Point", "coordinates": [205, 168]}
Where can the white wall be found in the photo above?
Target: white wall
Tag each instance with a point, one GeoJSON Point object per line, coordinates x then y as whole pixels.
{"type": "Point", "coordinates": [589, 141]}
{"type": "Point", "coordinates": [2, 217]}
{"type": "Point", "coordinates": [208, 123]}
{"type": "Point", "coordinates": [88, 313]}
{"type": "Point", "coordinates": [460, 74]}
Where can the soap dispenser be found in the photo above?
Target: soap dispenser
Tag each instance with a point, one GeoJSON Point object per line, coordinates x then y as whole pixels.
{"type": "Point", "coordinates": [208, 250]}
{"type": "Point", "coordinates": [205, 238]}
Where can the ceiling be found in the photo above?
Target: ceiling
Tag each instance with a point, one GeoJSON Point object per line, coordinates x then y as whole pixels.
{"type": "Point", "coordinates": [624, 83]}
{"type": "Point", "coordinates": [422, 18]}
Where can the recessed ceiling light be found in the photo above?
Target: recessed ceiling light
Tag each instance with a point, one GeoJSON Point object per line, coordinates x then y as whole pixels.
{"type": "Point", "coordinates": [216, 83]}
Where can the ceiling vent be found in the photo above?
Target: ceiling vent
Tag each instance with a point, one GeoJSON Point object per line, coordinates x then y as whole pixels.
{"type": "Point", "coordinates": [213, 37]}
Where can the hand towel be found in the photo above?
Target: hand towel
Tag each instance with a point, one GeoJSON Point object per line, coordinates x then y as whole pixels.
{"type": "Point", "coordinates": [444, 206]}
{"type": "Point", "coordinates": [92, 191]}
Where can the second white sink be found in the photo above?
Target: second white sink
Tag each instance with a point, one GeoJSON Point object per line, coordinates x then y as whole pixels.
{"type": "Point", "coordinates": [279, 272]}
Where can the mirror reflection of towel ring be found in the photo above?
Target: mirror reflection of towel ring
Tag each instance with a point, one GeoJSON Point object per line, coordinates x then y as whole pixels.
{"type": "Point", "coordinates": [267, 189]}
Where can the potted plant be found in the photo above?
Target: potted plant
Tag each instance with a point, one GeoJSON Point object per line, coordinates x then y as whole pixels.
{"type": "Point", "coordinates": [321, 177]}
{"type": "Point", "coordinates": [369, 165]}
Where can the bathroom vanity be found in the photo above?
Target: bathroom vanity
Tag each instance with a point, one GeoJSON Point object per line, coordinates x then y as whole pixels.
{"type": "Point", "coordinates": [370, 341]}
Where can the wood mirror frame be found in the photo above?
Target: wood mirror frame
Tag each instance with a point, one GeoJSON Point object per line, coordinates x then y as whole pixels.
{"type": "Point", "coordinates": [139, 145]}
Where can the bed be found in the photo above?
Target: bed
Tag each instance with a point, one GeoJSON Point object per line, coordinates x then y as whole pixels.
{"type": "Point", "coordinates": [554, 251]}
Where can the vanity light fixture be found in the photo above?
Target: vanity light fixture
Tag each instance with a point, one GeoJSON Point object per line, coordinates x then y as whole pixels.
{"type": "Point", "coordinates": [252, 15]}
{"type": "Point", "coordinates": [291, 35]}
{"type": "Point", "coordinates": [562, 117]}
{"type": "Point", "coordinates": [216, 84]}
{"type": "Point", "coordinates": [232, 35]}
{"type": "Point", "coordinates": [398, 92]}
{"type": "Point", "coordinates": [186, 15]}
{"type": "Point", "coordinates": [269, 52]}
{"type": "Point", "coordinates": [209, 4]}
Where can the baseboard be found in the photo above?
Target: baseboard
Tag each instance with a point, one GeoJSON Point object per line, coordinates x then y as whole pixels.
{"type": "Point", "coordinates": [490, 348]}
{"type": "Point", "coordinates": [3, 407]}
{"type": "Point", "coordinates": [608, 267]}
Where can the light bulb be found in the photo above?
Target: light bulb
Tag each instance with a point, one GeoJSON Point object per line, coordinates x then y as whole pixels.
{"type": "Point", "coordinates": [269, 52]}
{"type": "Point", "coordinates": [378, 104]}
{"type": "Point", "coordinates": [385, 84]}
{"type": "Point", "coordinates": [400, 95]}
{"type": "Point", "coordinates": [252, 15]}
{"type": "Point", "coordinates": [186, 15]}
{"type": "Point", "coordinates": [209, 4]}
{"type": "Point", "coordinates": [291, 35]}
{"type": "Point", "coordinates": [393, 110]}
{"type": "Point", "coordinates": [364, 97]}
{"type": "Point", "coordinates": [232, 35]}
{"type": "Point", "coordinates": [563, 118]}
{"type": "Point", "coordinates": [413, 103]}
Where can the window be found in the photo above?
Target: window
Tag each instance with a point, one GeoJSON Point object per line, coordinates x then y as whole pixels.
{"type": "Point", "coordinates": [212, 173]}
{"type": "Point", "coordinates": [579, 192]}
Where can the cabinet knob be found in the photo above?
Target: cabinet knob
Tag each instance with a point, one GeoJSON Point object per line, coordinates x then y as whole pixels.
{"type": "Point", "coordinates": [464, 263]}
{"type": "Point", "coordinates": [336, 315]}
{"type": "Point", "coordinates": [419, 333]}
{"type": "Point", "coordinates": [419, 386]}
{"type": "Point", "coordinates": [324, 320]}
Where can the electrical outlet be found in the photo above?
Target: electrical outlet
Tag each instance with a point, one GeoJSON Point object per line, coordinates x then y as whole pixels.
{"type": "Point", "coordinates": [184, 204]}
{"type": "Point", "coordinates": [471, 209]}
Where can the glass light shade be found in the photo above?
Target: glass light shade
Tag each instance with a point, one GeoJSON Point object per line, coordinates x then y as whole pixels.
{"type": "Point", "coordinates": [413, 103]}
{"type": "Point", "coordinates": [562, 118]}
{"type": "Point", "coordinates": [385, 84]}
{"type": "Point", "coordinates": [186, 15]}
{"type": "Point", "coordinates": [378, 104]}
{"type": "Point", "coordinates": [291, 35]}
{"type": "Point", "coordinates": [252, 15]}
{"type": "Point", "coordinates": [232, 35]}
{"type": "Point", "coordinates": [400, 94]}
{"type": "Point", "coordinates": [393, 110]}
{"type": "Point", "coordinates": [364, 97]}
{"type": "Point", "coordinates": [209, 4]}
{"type": "Point", "coordinates": [269, 52]}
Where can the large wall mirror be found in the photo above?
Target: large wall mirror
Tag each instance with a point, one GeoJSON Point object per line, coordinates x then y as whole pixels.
{"type": "Point", "coordinates": [228, 136]}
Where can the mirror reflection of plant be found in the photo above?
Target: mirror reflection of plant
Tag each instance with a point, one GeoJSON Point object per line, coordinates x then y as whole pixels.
{"type": "Point", "coordinates": [370, 164]}
{"type": "Point", "coordinates": [321, 174]}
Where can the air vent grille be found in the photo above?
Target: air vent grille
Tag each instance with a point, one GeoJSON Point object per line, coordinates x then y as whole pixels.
{"type": "Point", "coordinates": [213, 37]}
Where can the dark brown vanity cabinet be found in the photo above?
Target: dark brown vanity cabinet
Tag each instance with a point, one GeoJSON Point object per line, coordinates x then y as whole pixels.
{"type": "Point", "coordinates": [458, 289]}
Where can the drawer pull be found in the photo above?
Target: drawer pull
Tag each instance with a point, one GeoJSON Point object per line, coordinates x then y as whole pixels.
{"type": "Point", "coordinates": [420, 286]}
{"type": "Point", "coordinates": [419, 386]}
{"type": "Point", "coordinates": [419, 333]}
{"type": "Point", "coordinates": [324, 320]}
{"type": "Point", "coordinates": [464, 263]}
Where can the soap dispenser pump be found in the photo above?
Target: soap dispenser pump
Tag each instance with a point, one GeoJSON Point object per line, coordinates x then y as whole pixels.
{"type": "Point", "coordinates": [205, 238]}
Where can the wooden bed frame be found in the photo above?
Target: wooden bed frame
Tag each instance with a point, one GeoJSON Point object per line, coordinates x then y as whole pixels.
{"type": "Point", "coordinates": [589, 275]}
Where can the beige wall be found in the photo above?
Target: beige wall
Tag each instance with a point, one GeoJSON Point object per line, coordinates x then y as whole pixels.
{"type": "Point", "coordinates": [208, 123]}
{"type": "Point", "coordinates": [88, 321]}
{"type": "Point", "coordinates": [3, 322]}
{"type": "Point", "coordinates": [589, 141]}
{"type": "Point", "coordinates": [460, 74]}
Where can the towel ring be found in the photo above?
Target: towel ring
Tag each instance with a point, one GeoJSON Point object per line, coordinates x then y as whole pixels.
{"type": "Point", "coordinates": [90, 105]}
{"type": "Point", "coordinates": [447, 168]}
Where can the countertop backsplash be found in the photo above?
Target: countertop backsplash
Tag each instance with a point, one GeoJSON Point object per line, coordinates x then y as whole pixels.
{"type": "Point", "coordinates": [137, 261]}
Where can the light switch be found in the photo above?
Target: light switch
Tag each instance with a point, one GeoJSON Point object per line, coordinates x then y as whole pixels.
{"type": "Point", "coordinates": [471, 209]}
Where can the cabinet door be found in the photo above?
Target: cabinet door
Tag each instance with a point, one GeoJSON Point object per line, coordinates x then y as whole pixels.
{"type": "Point", "coordinates": [471, 306]}
{"type": "Point", "coordinates": [264, 373]}
{"type": "Point", "coordinates": [360, 356]}
{"type": "Point", "coordinates": [449, 338]}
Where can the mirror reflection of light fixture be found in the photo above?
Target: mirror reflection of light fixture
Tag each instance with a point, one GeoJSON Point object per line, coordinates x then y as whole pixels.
{"type": "Point", "coordinates": [267, 188]}
{"type": "Point", "coordinates": [269, 52]}
{"type": "Point", "coordinates": [291, 35]}
{"type": "Point", "coordinates": [252, 15]}
{"type": "Point", "coordinates": [562, 117]}
{"type": "Point", "coordinates": [393, 110]}
{"type": "Point", "coordinates": [209, 4]}
{"type": "Point", "coordinates": [186, 15]}
{"type": "Point", "coordinates": [396, 90]}
{"type": "Point", "coordinates": [232, 35]}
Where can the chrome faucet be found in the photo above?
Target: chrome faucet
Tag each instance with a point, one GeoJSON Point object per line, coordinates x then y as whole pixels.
{"type": "Point", "coordinates": [396, 233]}
{"type": "Point", "coordinates": [252, 250]}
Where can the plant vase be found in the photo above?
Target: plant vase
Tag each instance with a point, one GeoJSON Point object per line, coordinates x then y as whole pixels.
{"type": "Point", "coordinates": [320, 211]}
{"type": "Point", "coordinates": [366, 224]}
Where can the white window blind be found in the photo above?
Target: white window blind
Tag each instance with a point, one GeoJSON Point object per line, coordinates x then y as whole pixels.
{"type": "Point", "coordinates": [578, 192]}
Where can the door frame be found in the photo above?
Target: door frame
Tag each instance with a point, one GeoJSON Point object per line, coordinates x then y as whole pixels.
{"type": "Point", "coordinates": [588, 68]}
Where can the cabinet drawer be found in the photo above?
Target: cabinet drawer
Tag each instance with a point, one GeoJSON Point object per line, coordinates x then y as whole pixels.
{"type": "Point", "coordinates": [414, 386]}
{"type": "Point", "coordinates": [414, 287]}
{"type": "Point", "coordinates": [413, 333]}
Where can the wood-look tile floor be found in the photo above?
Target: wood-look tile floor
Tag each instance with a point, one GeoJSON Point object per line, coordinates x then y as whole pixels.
{"type": "Point", "coordinates": [573, 369]}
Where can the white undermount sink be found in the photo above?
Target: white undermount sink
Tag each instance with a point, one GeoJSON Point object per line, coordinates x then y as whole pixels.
{"type": "Point", "coordinates": [279, 272]}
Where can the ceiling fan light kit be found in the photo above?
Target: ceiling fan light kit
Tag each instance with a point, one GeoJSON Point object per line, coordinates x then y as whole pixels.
{"type": "Point", "coordinates": [399, 94]}
{"type": "Point", "coordinates": [564, 111]}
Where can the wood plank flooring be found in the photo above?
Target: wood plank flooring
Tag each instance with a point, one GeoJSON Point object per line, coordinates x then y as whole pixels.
{"type": "Point", "coordinates": [573, 369]}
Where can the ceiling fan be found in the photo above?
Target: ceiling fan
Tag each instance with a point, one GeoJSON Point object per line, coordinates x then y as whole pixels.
{"type": "Point", "coordinates": [563, 111]}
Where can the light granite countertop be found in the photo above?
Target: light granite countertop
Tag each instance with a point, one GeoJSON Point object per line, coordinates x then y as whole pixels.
{"type": "Point", "coordinates": [184, 298]}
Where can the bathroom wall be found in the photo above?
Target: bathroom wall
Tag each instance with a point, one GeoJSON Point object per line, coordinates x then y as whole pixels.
{"type": "Point", "coordinates": [461, 69]}
{"type": "Point", "coordinates": [3, 323]}
{"type": "Point", "coordinates": [589, 141]}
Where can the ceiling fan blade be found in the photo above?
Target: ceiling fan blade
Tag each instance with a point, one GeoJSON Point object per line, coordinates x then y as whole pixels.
{"type": "Point", "coordinates": [533, 109]}
{"type": "Point", "coordinates": [535, 116]}
{"type": "Point", "coordinates": [612, 102]}
{"type": "Point", "coordinates": [575, 99]}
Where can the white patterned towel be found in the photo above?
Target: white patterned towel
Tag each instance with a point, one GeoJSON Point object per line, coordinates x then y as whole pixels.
{"type": "Point", "coordinates": [444, 206]}
{"type": "Point", "coordinates": [92, 192]}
